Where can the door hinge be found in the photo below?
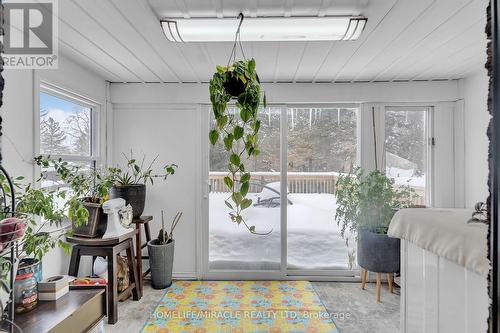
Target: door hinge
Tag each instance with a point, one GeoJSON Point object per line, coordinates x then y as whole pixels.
{"type": "Point", "coordinates": [433, 141]}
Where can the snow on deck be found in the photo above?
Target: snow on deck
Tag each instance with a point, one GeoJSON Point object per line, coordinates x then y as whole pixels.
{"type": "Point", "coordinates": [314, 241]}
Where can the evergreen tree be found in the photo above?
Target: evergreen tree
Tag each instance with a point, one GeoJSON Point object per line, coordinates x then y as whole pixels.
{"type": "Point", "coordinates": [52, 136]}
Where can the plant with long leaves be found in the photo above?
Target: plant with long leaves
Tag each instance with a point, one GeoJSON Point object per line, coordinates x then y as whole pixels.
{"type": "Point", "coordinates": [138, 172]}
{"type": "Point", "coordinates": [240, 135]}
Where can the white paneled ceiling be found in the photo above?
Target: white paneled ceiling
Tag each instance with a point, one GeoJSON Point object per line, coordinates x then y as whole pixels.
{"type": "Point", "coordinates": [403, 40]}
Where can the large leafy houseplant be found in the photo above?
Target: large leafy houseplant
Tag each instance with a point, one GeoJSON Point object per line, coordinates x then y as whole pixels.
{"type": "Point", "coordinates": [240, 135]}
{"type": "Point", "coordinates": [88, 189]}
{"type": "Point", "coordinates": [86, 184]}
{"type": "Point", "coordinates": [368, 201]}
{"type": "Point", "coordinates": [130, 182]}
{"type": "Point", "coordinates": [42, 213]}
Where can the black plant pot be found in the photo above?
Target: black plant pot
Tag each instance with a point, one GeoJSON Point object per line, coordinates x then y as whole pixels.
{"type": "Point", "coordinates": [135, 195]}
{"type": "Point", "coordinates": [378, 252]}
{"type": "Point", "coordinates": [234, 86]}
{"type": "Point", "coordinates": [96, 224]}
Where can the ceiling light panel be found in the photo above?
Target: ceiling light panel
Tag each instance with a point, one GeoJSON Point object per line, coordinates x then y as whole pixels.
{"type": "Point", "coordinates": [264, 29]}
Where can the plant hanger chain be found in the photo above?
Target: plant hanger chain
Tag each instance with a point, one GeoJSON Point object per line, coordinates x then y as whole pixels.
{"type": "Point", "coordinates": [237, 41]}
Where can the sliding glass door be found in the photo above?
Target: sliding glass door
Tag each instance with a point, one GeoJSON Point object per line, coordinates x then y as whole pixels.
{"type": "Point", "coordinates": [304, 149]}
{"type": "Point", "coordinates": [321, 144]}
{"type": "Point", "coordinates": [232, 246]}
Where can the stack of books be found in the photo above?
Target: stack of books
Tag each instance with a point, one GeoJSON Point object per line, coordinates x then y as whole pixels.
{"type": "Point", "coordinates": [53, 288]}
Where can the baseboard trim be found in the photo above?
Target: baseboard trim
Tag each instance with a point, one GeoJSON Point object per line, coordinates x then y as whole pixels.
{"type": "Point", "coordinates": [184, 276]}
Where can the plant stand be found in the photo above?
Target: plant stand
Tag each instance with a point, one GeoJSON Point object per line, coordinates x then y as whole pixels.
{"type": "Point", "coordinates": [139, 245]}
{"type": "Point", "coordinates": [109, 248]}
{"type": "Point", "coordinates": [390, 280]}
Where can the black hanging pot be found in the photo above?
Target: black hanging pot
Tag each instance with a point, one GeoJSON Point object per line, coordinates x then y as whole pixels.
{"type": "Point", "coordinates": [135, 195]}
{"type": "Point", "coordinates": [235, 86]}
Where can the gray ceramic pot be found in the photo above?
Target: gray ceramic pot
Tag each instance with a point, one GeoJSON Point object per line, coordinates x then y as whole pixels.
{"type": "Point", "coordinates": [135, 195]}
{"type": "Point", "coordinates": [378, 252]}
{"type": "Point", "coordinates": [161, 260]}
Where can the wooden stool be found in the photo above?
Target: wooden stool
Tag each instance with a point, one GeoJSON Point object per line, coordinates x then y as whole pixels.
{"type": "Point", "coordinates": [110, 248]}
{"type": "Point", "coordinates": [144, 221]}
{"type": "Point", "coordinates": [364, 272]}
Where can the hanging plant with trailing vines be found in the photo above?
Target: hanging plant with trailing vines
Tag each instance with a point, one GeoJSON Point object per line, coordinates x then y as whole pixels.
{"type": "Point", "coordinates": [240, 135]}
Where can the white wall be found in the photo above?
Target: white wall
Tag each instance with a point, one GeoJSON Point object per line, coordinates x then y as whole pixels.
{"type": "Point", "coordinates": [165, 119]}
{"type": "Point", "coordinates": [19, 124]}
{"type": "Point", "coordinates": [474, 92]}
{"type": "Point", "coordinates": [172, 132]}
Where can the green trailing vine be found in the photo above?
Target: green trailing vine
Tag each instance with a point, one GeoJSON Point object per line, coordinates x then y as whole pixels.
{"type": "Point", "coordinates": [240, 135]}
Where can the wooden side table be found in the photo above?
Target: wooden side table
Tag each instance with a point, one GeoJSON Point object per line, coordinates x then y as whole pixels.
{"type": "Point", "coordinates": [139, 245]}
{"type": "Point", "coordinates": [110, 248]}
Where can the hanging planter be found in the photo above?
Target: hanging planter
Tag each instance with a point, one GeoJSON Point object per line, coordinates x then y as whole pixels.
{"type": "Point", "coordinates": [237, 81]}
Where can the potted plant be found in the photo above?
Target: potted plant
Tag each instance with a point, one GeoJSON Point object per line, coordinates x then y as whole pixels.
{"type": "Point", "coordinates": [240, 135]}
{"type": "Point", "coordinates": [161, 254]}
{"type": "Point", "coordinates": [89, 189]}
{"type": "Point", "coordinates": [38, 223]}
{"type": "Point", "coordinates": [130, 183]}
{"type": "Point", "coordinates": [366, 204]}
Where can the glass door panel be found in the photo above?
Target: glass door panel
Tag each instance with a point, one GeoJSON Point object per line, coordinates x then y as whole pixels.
{"type": "Point", "coordinates": [322, 142]}
{"type": "Point", "coordinates": [406, 149]}
{"type": "Point", "coordinates": [232, 246]}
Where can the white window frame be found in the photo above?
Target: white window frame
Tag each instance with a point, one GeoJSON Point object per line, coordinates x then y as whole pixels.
{"type": "Point", "coordinates": [97, 148]}
{"type": "Point", "coordinates": [429, 133]}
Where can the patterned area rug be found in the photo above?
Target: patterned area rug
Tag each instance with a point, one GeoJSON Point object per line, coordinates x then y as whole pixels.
{"type": "Point", "coordinates": [240, 307]}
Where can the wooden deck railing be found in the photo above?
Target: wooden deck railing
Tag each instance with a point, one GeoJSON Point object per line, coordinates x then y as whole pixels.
{"type": "Point", "coordinates": [298, 182]}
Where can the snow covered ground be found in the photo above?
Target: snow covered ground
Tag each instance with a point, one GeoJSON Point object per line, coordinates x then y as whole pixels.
{"type": "Point", "coordinates": [313, 239]}
{"type": "Point", "coordinates": [406, 177]}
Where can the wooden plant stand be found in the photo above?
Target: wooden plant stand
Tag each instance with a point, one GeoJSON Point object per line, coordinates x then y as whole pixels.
{"type": "Point", "coordinates": [139, 245]}
{"type": "Point", "coordinates": [390, 280]}
{"type": "Point", "coordinates": [109, 248]}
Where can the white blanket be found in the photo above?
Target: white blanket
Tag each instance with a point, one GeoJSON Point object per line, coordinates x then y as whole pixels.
{"type": "Point", "coordinates": [446, 233]}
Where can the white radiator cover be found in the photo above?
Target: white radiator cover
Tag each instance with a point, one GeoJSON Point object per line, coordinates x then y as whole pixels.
{"type": "Point", "coordinates": [440, 296]}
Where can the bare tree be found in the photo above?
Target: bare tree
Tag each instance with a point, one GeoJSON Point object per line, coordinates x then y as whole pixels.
{"type": "Point", "coordinates": [78, 126]}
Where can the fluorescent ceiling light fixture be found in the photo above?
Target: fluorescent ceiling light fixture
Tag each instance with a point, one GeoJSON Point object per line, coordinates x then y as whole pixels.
{"type": "Point", "coordinates": [264, 29]}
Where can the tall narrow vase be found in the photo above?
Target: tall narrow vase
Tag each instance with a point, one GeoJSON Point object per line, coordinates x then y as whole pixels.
{"type": "Point", "coordinates": [161, 260]}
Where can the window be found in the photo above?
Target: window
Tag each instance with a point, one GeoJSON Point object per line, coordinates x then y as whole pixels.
{"type": "Point", "coordinates": [322, 139]}
{"type": "Point", "coordinates": [406, 148]}
{"type": "Point", "coordinates": [67, 128]}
